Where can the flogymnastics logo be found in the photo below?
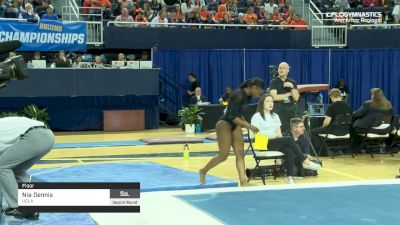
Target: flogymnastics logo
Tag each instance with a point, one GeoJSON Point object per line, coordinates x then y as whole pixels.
{"type": "Point", "coordinates": [356, 17]}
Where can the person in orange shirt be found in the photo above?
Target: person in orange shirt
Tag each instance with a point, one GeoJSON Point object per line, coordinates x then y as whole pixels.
{"type": "Point", "coordinates": [221, 12]}
{"type": "Point", "coordinates": [203, 13]}
{"type": "Point", "coordinates": [250, 17]}
{"type": "Point", "coordinates": [298, 21]}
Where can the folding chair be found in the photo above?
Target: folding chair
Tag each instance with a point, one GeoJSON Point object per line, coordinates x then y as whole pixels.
{"type": "Point", "coordinates": [377, 134]}
{"type": "Point", "coordinates": [260, 155]}
{"type": "Point", "coordinates": [396, 138]}
{"type": "Point", "coordinates": [331, 141]}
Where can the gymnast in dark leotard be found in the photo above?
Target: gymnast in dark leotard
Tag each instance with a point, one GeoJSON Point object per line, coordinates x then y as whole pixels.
{"type": "Point", "coordinates": [229, 129]}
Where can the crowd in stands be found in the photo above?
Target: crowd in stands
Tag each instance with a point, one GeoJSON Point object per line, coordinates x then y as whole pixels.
{"type": "Point", "coordinates": [279, 12]}
{"type": "Point", "coordinates": [31, 10]}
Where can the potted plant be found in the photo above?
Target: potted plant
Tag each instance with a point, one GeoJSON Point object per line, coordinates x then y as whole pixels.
{"type": "Point", "coordinates": [33, 112]}
{"type": "Point", "coordinates": [190, 116]}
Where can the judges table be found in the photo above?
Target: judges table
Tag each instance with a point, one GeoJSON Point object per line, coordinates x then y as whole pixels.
{"type": "Point", "coordinates": [76, 98]}
{"type": "Point", "coordinates": [213, 112]}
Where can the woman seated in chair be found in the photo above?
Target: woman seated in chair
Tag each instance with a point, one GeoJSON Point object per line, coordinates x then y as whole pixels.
{"type": "Point", "coordinates": [338, 107]}
{"type": "Point", "coordinates": [269, 124]}
{"type": "Point", "coordinates": [367, 116]}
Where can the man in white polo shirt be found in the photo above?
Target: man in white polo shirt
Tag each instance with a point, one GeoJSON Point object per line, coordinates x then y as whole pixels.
{"type": "Point", "coordinates": [23, 142]}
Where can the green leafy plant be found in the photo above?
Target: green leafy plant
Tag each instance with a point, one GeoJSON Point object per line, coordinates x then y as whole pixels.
{"type": "Point", "coordinates": [190, 115]}
{"type": "Point", "coordinates": [33, 112]}
{"type": "Point", "coordinates": [8, 114]}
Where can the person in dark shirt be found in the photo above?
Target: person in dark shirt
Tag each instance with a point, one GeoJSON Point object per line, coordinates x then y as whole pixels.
{"type": "Point", "coordinates": [297, 132]}
{"type": "Point", "coordinates": [229, 131]}
{"type": "Point", "coordinates": [367, 115]}
{"type": "Point", "coordinates": [285, 94]}
{"type": "Point", "coordinates": [195, 83]}
{"type": "Point", "coordinates": [197, 97]}
{"type": "Point", "coordinates": [344, 90]}
{"type": "Point", "coordinates": [338, 107]}
{"type": "Point", "coordinates": [226, 96]}
{"type": "Point", "coordinates": [10, 13]}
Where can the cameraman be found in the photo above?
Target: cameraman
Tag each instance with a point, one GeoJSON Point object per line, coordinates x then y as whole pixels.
{"type": "Point", "coordinates": [23, 142]}
{"type": "Point", "coordinates": [285, 94]}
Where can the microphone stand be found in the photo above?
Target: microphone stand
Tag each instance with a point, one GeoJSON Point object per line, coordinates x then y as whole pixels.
{"type": "Point", "coordinates": [307, 134]}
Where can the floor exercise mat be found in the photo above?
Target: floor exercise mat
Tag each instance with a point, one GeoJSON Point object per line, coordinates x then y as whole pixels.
{"type": "Point", "coordinates": [182, 140]}
{"type": "Point", "coordinates": [355, 205]}
{"type": "Point", "coordinates": [152, 176]}
{"type": "Point", "coordinates": [52, 219]}
{"type": "Point", "coordinates": [98, 144]}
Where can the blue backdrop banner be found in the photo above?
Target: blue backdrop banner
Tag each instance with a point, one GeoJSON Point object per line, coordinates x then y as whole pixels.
{"type": "Point", "coordinates": [46, 35]}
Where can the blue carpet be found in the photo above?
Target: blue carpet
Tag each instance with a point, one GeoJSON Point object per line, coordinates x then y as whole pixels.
{"type": "Point", "coordinates": [353, 205]}
{"type": "Point", "coordinates": [107, 144]}
{"type": "Point", "coordinates": [152, 176]}
{"type": "Point", "coordinates": [53, 219]}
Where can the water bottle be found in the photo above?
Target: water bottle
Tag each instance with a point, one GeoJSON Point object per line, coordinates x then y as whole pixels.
{"type": "Point", "coordinates": [197, 128]}
{"type": "Point", "coordinates": [321, 98]}
{"type": "Point", "coordinates": [186, 151]}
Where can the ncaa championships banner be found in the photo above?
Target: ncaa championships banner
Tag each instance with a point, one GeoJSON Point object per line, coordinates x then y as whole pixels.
{"type": "Point", "coordinates": [46, 35]}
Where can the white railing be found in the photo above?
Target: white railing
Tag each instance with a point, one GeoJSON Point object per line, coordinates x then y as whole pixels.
{"type": "Point", "coordinates": [316, 13]}
{"type": "Point", "coordinates": [70, 12]}
{"type": "Point", "coordinates": [374, 26]}
{"type": "Point", "coordinates": [94, 32]}
{"type": "Point", "coordinates": [329, 36]}
{"type": "Point", "coordinates": [14, 19]}
{"type": "Point", "coordinates": [201, 25]}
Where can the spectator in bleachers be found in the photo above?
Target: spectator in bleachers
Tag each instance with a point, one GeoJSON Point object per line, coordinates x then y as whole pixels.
{"type": "Point", "coordinates": [155, 5]}
{"type": "Point", "coordinates": [61, 60]}
{"type": "Point", "coordinates": [144, 56]}
{"type": "Point", "coordinates": [186, 6]}
{"type": "Point", "coordinates": [50, 15]}
{"type": "Point", "coordinates": [370, 3]}
{"type": "Point", "coordinates": [42, 9]}
{"type": "Point", "coordinates": [105, 5]}
{"type": "Point", "coordinates": [232, 8]}
{"type": "Point", "coordinates": [221, 12]}
{"type": "Point", "coordinates": [285, 8]}
{"type": "Point", "coordinates": [396, 13]}
{"type": "Point", "coordinates": [121, 57]}
{"type": "Point", "coordinates": [126, 4]}
{"type": "Point", "coordinates": [197, 97]}
{"type": "Point", "coordinates": [250, 17]}
{"type": "Point", "coordinates": [226, 20]}
{"type": "Point", "coordinates": [193, 18]}
{"type": "Point", "coordinates": [269, 8]}
{"type": "Point", "coordinates": [147, 11]}
{"type": "Point", "coordinates": [298, 21]}
{"type": "Point", "coordinates": [38, 3]}
{"type": "Point", "coordinates": [180, 16]}
{"type": "Point", "coordinates": [37, 56]}
{"type": "Point", "coordinates": [124, 17]}
{"type": "Point", "coordinates": [98, 63]}
{"type": "Point", "coordinates": [140, 18]}
{"type": "Point", "coordinates": [29, 14]}
{"type": "Point", "coordinates": [10, 12]}
{"type": "Point", "coordinates": [240, 20]}
{"type": "Point", "coordinates": [209, 20]}
{"type": "Point", "coordinates": [23, 5]}
{"type": "Point", "coordinates": [344, 4]}
{"type": "Point", "coordinates": [161, 18]}
{"type": "Point", "coordinates": [276, 16]}
{"type": "Point", "coordinates": [117, 11]}
{"type": "Point", "coordinates": [78, 59]}
{"type": "Point", "coordinates": [262, 16]}
{"type": "Point", "coordinates": [198, 3]}
{"type": "Point", "coordinates": [203, 13]}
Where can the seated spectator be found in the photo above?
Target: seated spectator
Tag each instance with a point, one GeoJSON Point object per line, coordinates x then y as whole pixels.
{"type": "Point", "coordinates": [29, 14]}
{"type": "Point", "coordinates": [148, 12]}
{"type": "Point", "coordinates": [370, 3]}
{"type": "Point", "coordinates": [140, 18]}
{"type": "Point", "coordinates": [78, 59]}
{"type": "Point", "coordinates": [269, 8]}
{"type": "Point", "coordinates": [268, 123]}
{"type": "Point", "coordinates": [105, 6]}
{"type": "Point", "coordinates": [276, 16]}
{"type": "Point", "coordinates": [98, 63]}
{"type": "Point", "coordinates": [160, 20]}
{"type": "Point", "coordinates": [197, 97]}
{"type": "Point", "coordinates": [262, 16]}
{"type": "Point", "coordinates": [61, 60]}
{"type": "Point", "coordinates": [338, 107]}
{"type": "Point", "coordinates": [23, 5]}
{"type": "Point", "coordinates": [117, 11]}
{"type": "Point", "coordinates": [121, 57]}
{"type": "Point", "coordinates": [198, 3]}
{"type": "Point", "coordinates": [203, 13]}
{"type": "Point", "coordinates": [366, 116]}
{"type": "Point", "coordinates": [396, 13]}
{"type": "Point", "coordinates": [344, 90]}
{"type": "Point", "coordinates": [50, 15]}
{"type": "Point", "coordinates": [209, 20]}
{"type": "Point", "coordinates": [342, 4]}
{"type": "Point", "coordinates": [240, 20]}
{"type": "Point", "coordinates": [193, 18]}
{"type": "Point", "coordinates": [226, 96]}
{"type": "Point", "coordinates": [126, 4]}
{"type": "Point", "coordinates": [226, 20]}
{"type": "Point", "coordinates": [232, 8]}
{"type": "Point", "coordinates": [180, 16]}
{"type": "Point", "coordinates": [296, 21]}
{"type": "Point", "coordinates": [297, 132]}
{"type": "Point", "coordinates": [10, 12]}
{"type": "Point", "coordinates": [124, 17]}
{"type": "Point", "coordinates": [250, 17]}
{"type": "Point", "coordinates": [144, 56]}
{"type": "Point", "coordinates": [37, 56]}
{"type": "Point", "coordinates": [42, 9]}
{"type": "Point", "coordinates": [186, 7]}
{"type": "Point", "coordinates": [155, 5]}
{"type": "Point", "coordinates": [221, 12]}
